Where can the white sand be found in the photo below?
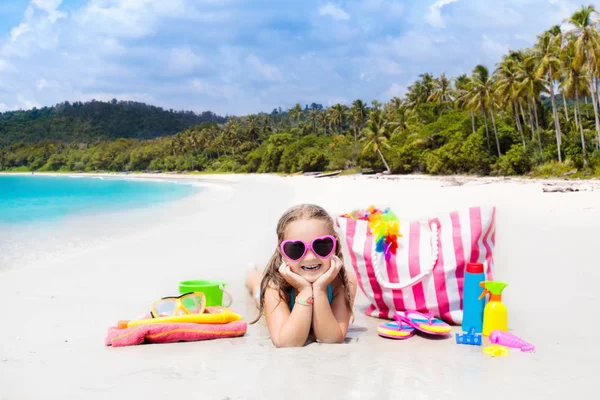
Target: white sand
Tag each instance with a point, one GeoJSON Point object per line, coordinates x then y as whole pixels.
{"type": "Point", "coordinates": [55, 313]}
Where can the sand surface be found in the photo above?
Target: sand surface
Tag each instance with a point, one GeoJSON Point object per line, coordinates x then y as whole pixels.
{"type": "Point", "coordinates": [55, 312]}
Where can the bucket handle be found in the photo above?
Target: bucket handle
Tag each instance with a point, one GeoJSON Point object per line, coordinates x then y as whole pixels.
{"type": "Point", "coordinates": [222, 287]}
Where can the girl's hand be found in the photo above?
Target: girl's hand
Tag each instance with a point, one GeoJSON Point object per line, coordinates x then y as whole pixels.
{"type": "Point", "coordinates": [328, 277]}
{"type": "Point", "coordinates": [298, 282]}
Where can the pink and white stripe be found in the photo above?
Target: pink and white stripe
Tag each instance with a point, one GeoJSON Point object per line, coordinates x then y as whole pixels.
{"type": "Point", "coordinates": [407, 280]}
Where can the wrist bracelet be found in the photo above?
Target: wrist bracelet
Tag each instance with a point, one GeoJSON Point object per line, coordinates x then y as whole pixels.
{"type": "Point", "coordinates": [308, 302]}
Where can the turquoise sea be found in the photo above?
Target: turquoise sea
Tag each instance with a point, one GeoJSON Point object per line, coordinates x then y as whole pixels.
{"type": "Point", "coordinates": [37, 198]}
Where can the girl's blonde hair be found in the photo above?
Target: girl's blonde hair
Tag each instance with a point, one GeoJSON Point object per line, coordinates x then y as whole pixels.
{"type": "Point", "coordinates": [271, 275]}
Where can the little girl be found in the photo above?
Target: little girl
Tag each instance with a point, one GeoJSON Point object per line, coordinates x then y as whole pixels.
{"type": "Point", "coordinates": [305, 286]}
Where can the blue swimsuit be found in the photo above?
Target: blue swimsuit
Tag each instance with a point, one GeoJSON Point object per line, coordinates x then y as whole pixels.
{"type": "Point", "coordinates": [329, 296]}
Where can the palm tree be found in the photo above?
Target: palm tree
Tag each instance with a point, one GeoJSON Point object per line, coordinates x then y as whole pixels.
{"type": "Point", "coordinates": [358, 115]}
{"type": "Point", "coordinates": [375, 135]}
{"type": "Point", "coordinates": [296, 113]}
{"type": "Point", "coordinates": [313, 117]}
{"type": "Point", "coordinates": [572, 85]}
{"type": "Point", "coordinates": [402, 120]}
{"type": "Point", "coordinates": [322, 120]}
{"type": "Point", "coordinates": [531, 87]}
{"type": "Point", "coordinates": [462, 85]}
{"type": "Point", "coordinates": [253, 128]}
{"type": "Point", "coordinates": [587, 49]}
{"type": "Point", "coordinates": [338, 112]}
{"type": "Point", "coordinates": [507, 89]}
{"type": "Point", "coordinates": [545, 53]}
{"type": "Point", "coordinates": [481, 98]}
{"type": "Point", "coordinates": [441, 90]}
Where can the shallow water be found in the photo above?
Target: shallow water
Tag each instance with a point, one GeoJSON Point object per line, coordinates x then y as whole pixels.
{"type": "Point", "coordinates": [35, 198]}
{"type": "Point", "coordinates": [45, 218]}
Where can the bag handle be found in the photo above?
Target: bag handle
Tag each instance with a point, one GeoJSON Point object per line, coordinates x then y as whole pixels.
{"type": "Point", "coordinates": [225, 292]}
{"type": "Point", "coordinates": [429, 267]}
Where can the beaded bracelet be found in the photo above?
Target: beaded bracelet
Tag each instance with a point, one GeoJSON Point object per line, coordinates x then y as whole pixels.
{"type": "Point", "coordinates": [308, 302]}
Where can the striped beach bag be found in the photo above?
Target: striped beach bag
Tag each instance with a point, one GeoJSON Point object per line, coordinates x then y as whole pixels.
{"type": "Point", "coordinates": [417, 264]}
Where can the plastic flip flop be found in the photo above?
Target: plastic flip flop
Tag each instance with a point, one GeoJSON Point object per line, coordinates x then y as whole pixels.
{"type": "Point", "coordinates": [426, 323]}
{"type": "Point", "coordinates": [395, 329]}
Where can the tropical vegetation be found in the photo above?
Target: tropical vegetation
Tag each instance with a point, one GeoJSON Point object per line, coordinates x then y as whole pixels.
{"type": "Point", "coordinates": [536, 111]}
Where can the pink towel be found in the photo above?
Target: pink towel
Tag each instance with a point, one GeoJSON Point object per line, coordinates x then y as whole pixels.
{"type": "Point", "coordinates": [172, 332]}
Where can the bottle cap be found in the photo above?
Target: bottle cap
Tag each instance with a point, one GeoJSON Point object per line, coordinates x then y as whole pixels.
{"type": "Point", "coordinates": [474, 268]}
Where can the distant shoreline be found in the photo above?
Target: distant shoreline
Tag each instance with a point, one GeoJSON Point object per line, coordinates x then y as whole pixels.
{"type": "Point", "coordinates": [234, 176]}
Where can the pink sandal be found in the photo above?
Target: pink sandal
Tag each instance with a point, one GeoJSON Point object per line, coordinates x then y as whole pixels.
{"type": "Point", "coordinates": [426, 323]}
{"type": "Point", "coordinates": [396, 329]}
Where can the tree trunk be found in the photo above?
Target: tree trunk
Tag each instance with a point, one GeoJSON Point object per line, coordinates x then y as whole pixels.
{"type": "Point", "coordinates": [556, 121]}
{"type": "Point", "coordinates": [473, 121]}
{"type": "Point", "coordinates": [580, 123]}
{"type": "Point", "coordinates": [487, 132]}
{"type": "Point", "coordinates": [576, 119]}
{"type": "Point", "coordinates": [537, 125]}
{"type": "Point", "coordinates": [566, 107]}
{"type": "Point", "coordinates": [383, 159]}
{"type": "Point", "coordinates": [523, 114]}
{"type": "Point", "coordinates": [598, 91]}
{"type": "Point", "coordinates": [495, 132]}
{"type": "Point", "coordinates": [531, 119]}
{"type": "Point", "coordinates": [593, 92]}
{"type": "Point", "coordinates": [518, 122]}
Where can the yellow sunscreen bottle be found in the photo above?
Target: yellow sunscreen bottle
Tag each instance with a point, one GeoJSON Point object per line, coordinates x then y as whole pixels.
{"type": "Point", "coordinates": [495, 315]}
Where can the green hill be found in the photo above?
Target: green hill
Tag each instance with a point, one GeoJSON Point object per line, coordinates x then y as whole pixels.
{"type": "Point", "coordinates": [96, 121]}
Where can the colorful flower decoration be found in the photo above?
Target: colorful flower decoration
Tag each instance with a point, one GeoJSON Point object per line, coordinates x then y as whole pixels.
{"type": "Point", "coordinates": [384, 225]}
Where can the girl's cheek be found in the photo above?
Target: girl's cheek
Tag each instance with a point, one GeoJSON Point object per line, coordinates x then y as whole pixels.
{"type": "Point", "coordinates": [294, 266]}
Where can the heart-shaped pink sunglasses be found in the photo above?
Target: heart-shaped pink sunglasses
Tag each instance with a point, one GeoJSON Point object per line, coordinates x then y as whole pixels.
{"type": "Point", "coordinates": [322, 246]}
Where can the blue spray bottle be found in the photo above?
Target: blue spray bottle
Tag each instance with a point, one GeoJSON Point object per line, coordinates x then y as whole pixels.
{"type": "Point", "coordinates": [472, 306]}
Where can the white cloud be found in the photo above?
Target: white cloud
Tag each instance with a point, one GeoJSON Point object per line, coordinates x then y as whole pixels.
{"type": "Point", "coordinates": [4, 66]}
{"type": "Point", "coordinates": [493, 48]}
{"type": "Point", "coordinates": [26, 103]}
{"type": "Point", "coordinates": [213, 54]}
{"type": "Point", "coordinates": [268, 72]}
{"type": "Point", "coordinates": [18, 31]}
{"type": "Point", "coordinates": [184, 60]}
{"type": "Point", "coordinates": [51, 7]}
{"type": "Point", "coordinates": [395, 90]}
{"type": "Point", "coordinates": [42, 84]}
{"type": "Point", "coordinates": [334, 12]}
{"type": "Point", "coordinates": [128, 18]}
{"type": "Point", "coordinates": [387, 8]}
{"type": "Point", "coordinates": [435, 13]}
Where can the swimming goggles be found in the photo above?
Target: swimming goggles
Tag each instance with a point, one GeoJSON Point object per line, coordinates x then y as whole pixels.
{"type": "Point", "coordinates": [322, 246]}
{"type": "Point", "coordinates": [187, 303]}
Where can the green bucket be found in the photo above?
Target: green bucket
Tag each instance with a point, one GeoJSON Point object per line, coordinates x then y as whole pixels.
{"type": "Point", "coordinates": [213, 290]}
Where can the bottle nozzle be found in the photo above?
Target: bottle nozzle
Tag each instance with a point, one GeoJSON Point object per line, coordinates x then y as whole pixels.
{"type": "Point", "coordinates": [485, 291]}
{"type": "Point", "coordinates": [493, 288]}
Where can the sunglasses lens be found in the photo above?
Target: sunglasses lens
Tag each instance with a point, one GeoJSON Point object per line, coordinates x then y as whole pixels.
{"type": "Point", "coordinates": [194, 303]}
{"type": "Point", "coordinates": [293, 250]}
{"type": "Point", "coordinates": [323, 247]}
{"type": "Point", "coordinates": [165, 308]}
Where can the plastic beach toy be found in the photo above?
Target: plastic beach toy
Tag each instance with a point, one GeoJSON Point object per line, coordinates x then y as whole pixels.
{"type": "Point", "coordinates": [223, 317]}
{"type": "Point", "coordinates": [510, 340]}
{"type": "Point", "coordinates": [495, 314]}
{"type": "Point", "coordinates": [426, 323]}
{"type": "Point", "coordinates": [470, 338]}
{"type": "Point", "coordinates": [213, 290]}
{"type": "Point", "coordinates": [496, 350]}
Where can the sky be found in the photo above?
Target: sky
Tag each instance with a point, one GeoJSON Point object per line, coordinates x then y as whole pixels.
{"type": "Point", "coordinates": [236, 57]}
